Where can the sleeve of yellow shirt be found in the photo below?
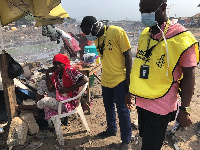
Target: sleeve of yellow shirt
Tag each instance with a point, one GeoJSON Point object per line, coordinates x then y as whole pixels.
{"type": "Point", "coordinates": [123, 41]}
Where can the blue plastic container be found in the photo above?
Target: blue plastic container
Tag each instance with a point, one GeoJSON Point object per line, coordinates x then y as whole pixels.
{"type": "Point", "coordinates": [91, 49]}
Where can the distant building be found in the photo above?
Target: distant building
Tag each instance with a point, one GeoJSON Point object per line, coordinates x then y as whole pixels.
{"type": "Point", "coordinates": [117, 23]}
{"type": "Point", "coordinates": [188, 21]}
{"type": "Point", "coordinates": [184, 20]}
{"type": "Point", "coordinates": [196, 18]}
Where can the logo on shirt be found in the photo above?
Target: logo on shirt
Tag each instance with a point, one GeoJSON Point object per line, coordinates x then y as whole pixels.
{"type": "Point", "coordinates": [109, 45]}
{"type": "Point", "coordinates": [161, 61]}
{"type": "Point", "coordinates": [141, 55]}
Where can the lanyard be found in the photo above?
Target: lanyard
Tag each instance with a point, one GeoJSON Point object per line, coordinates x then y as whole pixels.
{"type": "Point", "coordinates": [101, 47]}
{"type": "Point", "coordinates": [149, 50]}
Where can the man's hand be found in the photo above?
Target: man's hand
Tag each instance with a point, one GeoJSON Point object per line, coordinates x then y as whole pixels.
{"type": "Point", "coordinates": [184, 119]}
{"type": "Point", "coordinates": [128, 101]}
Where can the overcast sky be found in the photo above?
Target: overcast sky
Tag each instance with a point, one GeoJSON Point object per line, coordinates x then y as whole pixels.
{"type": "Point", "coordinates": [126, 9]}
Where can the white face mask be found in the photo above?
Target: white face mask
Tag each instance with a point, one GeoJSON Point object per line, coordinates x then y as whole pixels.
{"type": "Point", "coordinates": [90, 36]}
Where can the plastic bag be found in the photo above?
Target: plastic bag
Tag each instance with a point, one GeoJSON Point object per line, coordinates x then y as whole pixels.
{"type": "Point", "coordinates": [89, 58]}
{"type": "Point", "coordinates": [14, 68]}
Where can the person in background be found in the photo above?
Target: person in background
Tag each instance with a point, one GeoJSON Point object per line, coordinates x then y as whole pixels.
{"type": "Point", "coordinates": [83, 41]}
{"type": "Point", "coordinates": [115, 52]}
{"type": "Point", "coordinates": [74, 43]}
{"type": "Point", "coordinates": [70, 46]}
{"type": "Point", "coordinates": [64, 81]}
{"type": "Point", "coordinates": [167, 53]}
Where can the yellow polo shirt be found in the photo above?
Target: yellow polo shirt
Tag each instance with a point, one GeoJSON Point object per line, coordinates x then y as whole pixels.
{"type": "Point", "coordinates": [113, 60]}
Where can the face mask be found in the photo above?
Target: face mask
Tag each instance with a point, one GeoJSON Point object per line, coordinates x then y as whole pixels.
{"type": "Point", "coordinates": [149, 19]}
{"type": "Point", "coordinates": [90, 36]}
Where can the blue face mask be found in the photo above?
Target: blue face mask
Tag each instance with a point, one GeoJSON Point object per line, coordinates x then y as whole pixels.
{"type": "Point", "coordinates": [90, 36]}
{"type": "Point", "coordinates": [149, 19]}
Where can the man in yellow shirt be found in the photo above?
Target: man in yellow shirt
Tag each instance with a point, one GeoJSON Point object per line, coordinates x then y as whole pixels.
{"type": "Point", "coordinates": [114, 50]}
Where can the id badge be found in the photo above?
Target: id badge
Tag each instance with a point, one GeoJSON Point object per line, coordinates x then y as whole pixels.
{"type": "Point", "coordinates": [144, 71]}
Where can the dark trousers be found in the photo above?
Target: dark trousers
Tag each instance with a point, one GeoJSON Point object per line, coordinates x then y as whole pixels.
{"type": "Point", "coordinates": [117, 95]}
{"type": "Point", "coordinates": [152, 128]}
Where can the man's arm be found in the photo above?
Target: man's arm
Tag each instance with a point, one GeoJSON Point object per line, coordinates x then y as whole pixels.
{"type": "Point", "coordinates": [187, 87]}
{"type": "Point", "coordinates": [129, 101]}
{"type": "Point", "coordinates": [128, 65]}
{"type": "Point", "coordinates": [187, 90]}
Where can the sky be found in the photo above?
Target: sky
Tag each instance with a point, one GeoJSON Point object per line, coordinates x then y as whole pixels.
{"type": "Point", "coordinates": [116, 10]}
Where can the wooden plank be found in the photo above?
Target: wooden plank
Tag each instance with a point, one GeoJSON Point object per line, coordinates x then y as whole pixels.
{"type": "Point", "coordinates": [8, 88]}
{"type": "Point", "coordinates": [88, 98]}
{"type": "Point", "coordinates": [95, 69]}
{"type": "Point", "coordinates": [88, 72]}
{"type": "Point", "coordinates": [97, 77]}
{"type": "Point", "coordinates": [91, 70]}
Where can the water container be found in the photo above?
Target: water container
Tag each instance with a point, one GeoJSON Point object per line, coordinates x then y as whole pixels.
{"type": "Point", "coordinates": [91, 49]}
{"type": "Point", "coordinates": [91, 80]}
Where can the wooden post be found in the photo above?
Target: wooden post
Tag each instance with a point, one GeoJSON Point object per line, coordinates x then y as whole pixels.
{"type": "Point", "coordinates": [88, 94]}
{"type": "Point", "coordinates": [8, 84]}
{"type": "Point", "coordinates": [8, 88]}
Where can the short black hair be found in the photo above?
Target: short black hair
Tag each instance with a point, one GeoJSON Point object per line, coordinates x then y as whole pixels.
{"type": "Point", "coordinates": [159, 2]}
{"type": "Point", "coordinates": [88, 21]}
